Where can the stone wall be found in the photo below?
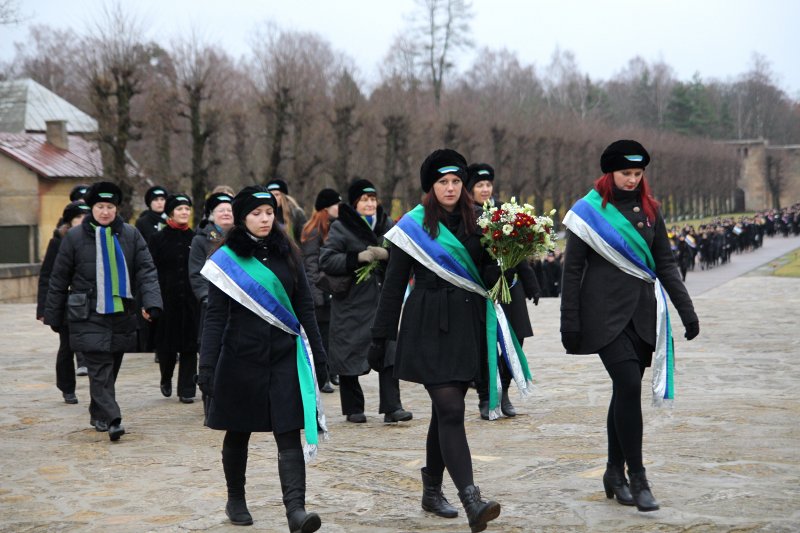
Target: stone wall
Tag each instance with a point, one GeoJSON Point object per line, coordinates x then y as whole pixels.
{"type": "Point", "coordinates": [18, 283]}
{"type": "Point", "coordinates": [753, 179]}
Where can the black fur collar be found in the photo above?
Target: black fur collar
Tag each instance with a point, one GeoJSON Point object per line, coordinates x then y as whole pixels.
{"type": "Point", "coordinates": [351, 220]}
{"type": "Point", "coordinates": [244, 245]}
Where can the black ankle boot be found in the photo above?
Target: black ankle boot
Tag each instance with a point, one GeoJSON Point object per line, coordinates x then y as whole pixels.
{"type": "Point", "coordinates": [506, 406]}
{"type": "Point", "coordinates": [479, 511]}
{"type": "Point", "coordinates": [433, 500]}
{"type": "Point", "coordinates": [483, 407]}
{"type": "Point", "coordinates": [234, 464]}
{"type": "Point", "coordinates": [640, 491]}
{"type": "Point", "coordinates": [616, 485]}
{"type": "Point", "coordinates": [292, 471]}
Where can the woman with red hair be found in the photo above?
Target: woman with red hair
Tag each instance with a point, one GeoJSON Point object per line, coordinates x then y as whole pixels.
{"type": "Point", "coordinates": [618, 265]}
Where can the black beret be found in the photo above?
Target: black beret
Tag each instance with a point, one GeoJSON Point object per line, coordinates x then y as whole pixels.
{"type": "Point", "coordinates": [154, 192]}
{"type": "Point", "coordinates": [438, 164]}
{"type": "Point", "coordinates": [75, 209]}
{"type": "Point", "coordinates": [174, 200]}
{"type": "Point", "coordinates": [248, 199]}
{"type": "Point", "coordinates": [326, 198]}
{"type": "Point", "coordinates": [278, 185]}
{"type": "Point", "coordinates": [479, 172]}
{"type": "Point", "coordinates": [214, 200]}
{"type": "Point", "coordinates": [103, 191]}
{"type": "Point", "coordinates": [359, 188]}
{"type": "Point", "coordinates": [78, 192]}
{"type": "Point", "coordinates": [623, 154]}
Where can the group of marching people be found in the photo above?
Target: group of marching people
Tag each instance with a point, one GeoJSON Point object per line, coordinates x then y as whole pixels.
{"type": "Point", "coordinates": [281, 308]}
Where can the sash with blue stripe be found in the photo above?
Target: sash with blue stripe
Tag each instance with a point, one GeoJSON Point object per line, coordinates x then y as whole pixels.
{"type": "Point", "coordinates": [614, 238]}
{"type": "Point", "coordinates": [447, 258]}
{"type": "Point", "coordinates": [113, 282]}
{"type": "Point", "coordinates": [252, 284]}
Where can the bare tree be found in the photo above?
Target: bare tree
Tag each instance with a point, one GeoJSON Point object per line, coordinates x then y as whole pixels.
{"type": "Point", "coordinates": [10, 12]}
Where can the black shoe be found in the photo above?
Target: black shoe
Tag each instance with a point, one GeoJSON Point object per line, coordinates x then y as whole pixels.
{"type": "Point", "coordinates": [506, 406]}
{"type": "Point", "coordinates": [99, 425]}
{"type": "Point", "coordinates": [483, 407]}
{"type": "Point", "coordinates": [166, 389]}
{"type": "Point", "coordinates": [401, 415]}
{"type": "Point", "coordinates": [616, 485]}
{"type": "Point", "coordinates": [640, 491]}
{"type": "Point", "coordinates": [335, 379]}
{"type": "Point", "coordinates": [327, 387]}
{"type": "Point", "coordinates": [292, 473]}
{"type": "Point", "coordinates": [433, 500]}
{"type": "Point", "coordinates": [357, 418]}
{"type": "Point", "coordinates": [115, 430]}
{"type": "Point", "coordinates": [186, 399]}
{"type": "Point", "coordinates": [479, 511]}
{"type": "Point", "coordinates": [69, 397]}
{"type": "Point", "coordinates": [237, 513]}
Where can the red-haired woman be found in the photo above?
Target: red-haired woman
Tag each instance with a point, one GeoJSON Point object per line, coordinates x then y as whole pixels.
{"type": "Point", "coordinates": [616, 261]}
{"type": "Point", "coordinates": [313, 236]}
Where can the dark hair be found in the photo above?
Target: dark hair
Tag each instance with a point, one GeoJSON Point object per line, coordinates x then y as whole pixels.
{"type": "Point", "coordinates": [435, 213]}
{"type": "Point", "coordinates": [605, 186]}
{"type": "Point", "coordinates": [277, 235]}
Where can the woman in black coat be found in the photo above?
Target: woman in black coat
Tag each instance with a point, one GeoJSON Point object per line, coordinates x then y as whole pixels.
{"type": "Point", "coordinates": [607, 310]}
{"type": "Point", "coordinates": [176, 328]}
{"type": "Point", "coordinates": [441, 342]}
{"type": "Point", "coordinates": [152, 219]}
{"type": "Point", "coordinates": [98, 300]}
{"type": "Point", "coordinates": [354, 241]}
{"type": "Point", "coordinates": [249, 367]}
{"type": "Point", "coordinates": [480, 185]}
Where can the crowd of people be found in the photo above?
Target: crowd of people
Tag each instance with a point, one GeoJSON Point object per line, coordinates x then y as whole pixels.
{"type": "Point", "coordinates": [263, 309]}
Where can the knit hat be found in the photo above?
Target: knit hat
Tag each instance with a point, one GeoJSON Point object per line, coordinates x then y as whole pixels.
{"type": "Point", "coordinates": [153, 193]}
{"type": "Point", "coordinates": [359, 188]}
{"type": "Point", "coordinates": [248, 199]}
{"type": "Point", "coordinates": [326, 198]}
{"type": "Point", "coordinates": [78, 192]}
{"type": "Point", "coordinates": [103, 191]}
{"type": "Point", "coordinates": [278, 185]}
{"type": "Point", "coordinates": [214, 200]}
{"type": "Point", "coordinates": [439, 163]}
{"type": "Point", "coordinates": [623, 154]}
{"type": "Point", "coordinates": [75, 209]}
{"type": "Point", "coordinates": [174, 200]}
{"type": "Point", "coordinates": [479, 172]}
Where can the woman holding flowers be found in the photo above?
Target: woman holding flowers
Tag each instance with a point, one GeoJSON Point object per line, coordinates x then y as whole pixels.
{"type": "Point", "coordinates": [355, 241]}
{"type": "Point", "coordinates": [617, 266]}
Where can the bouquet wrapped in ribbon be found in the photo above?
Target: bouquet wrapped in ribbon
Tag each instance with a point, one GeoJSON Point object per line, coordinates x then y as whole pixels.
{"type": "Point", "coordinates": [511, 234]}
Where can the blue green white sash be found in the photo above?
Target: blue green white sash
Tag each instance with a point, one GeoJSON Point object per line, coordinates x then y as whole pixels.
{"type": "Point", "coordinates": [113, 282]}
{"type": "Point", "coordinates": [255, 286]}
{"type": "Point", "coordinates": [447, 258]}
{"type": "Point", "coordinates": [611, 235]}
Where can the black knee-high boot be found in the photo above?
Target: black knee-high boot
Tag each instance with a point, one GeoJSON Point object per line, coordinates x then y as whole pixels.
{"type": "Point", "coordinates": [292, 472]}
{"type": "Point", "coordinates": [234, 464]}
{"type": "Point", "coordinates": [433, 500]}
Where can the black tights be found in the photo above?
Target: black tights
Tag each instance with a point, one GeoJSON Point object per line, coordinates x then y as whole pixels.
{"type": "Point", "coordinates": [447, 444]}
{"type": "Point", "coordinates": [238, 440]}
{"type": "Point", "coordinates": [624, 422]}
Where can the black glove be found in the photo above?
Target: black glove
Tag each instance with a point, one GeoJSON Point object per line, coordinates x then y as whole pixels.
{"type": "Point", "coordinates": [692, 330]}
{"type": "Point", "coordinates": [321, 370]}
{"type": "Point", "coordinates": [154, 313]}
{"type": "Point", "coordinates": [535, 297]}
{"type": "Point", "coordinates": [55, 328]}
{"type": "Point", "coordinates": [376, 354]}
{"type": "Point", "coordinates": [205, 381]}
{"type": "Point", "coordinates": [571, 340]}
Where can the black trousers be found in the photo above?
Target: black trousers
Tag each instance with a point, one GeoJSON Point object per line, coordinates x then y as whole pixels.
{"type": "Point", "coordinates": [65, 368]}
{"type": "Point", "coordinates": [103, 369]}
{"type": "Point", "coordinates": [187, 368]}
{"type": "Point", "coordinates": [352, 396]}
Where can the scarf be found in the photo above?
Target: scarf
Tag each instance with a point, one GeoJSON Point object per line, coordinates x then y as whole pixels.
{"type": "Point", "coordinates": [370, 220]}
{"type": "Point", "coordinates": [113, 283]}
{"type": "Point", "coordinates": [614, 238]}
{"type": "Point", "coordinates": [255, 286]}
{"type": "Point", "coordinates": [446, 257]}
{"type": "Point", "coordinates": [174, 225]}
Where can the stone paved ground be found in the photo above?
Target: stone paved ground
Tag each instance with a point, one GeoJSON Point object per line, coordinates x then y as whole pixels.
{"type": "Point", "coordinates": [727, 458]}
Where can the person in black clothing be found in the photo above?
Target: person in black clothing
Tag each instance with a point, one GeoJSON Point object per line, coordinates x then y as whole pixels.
{"type": "Point", "coordinates": [249, 367]}
{"type": "Point", "coordinates": [441, 342]}
{"type": "Point", "coordinates": [153, 218]}
{"type": "Point", "coordinates": [78, 192]}
{"type": "Point", "coordinates": [176, 328]}
{"type": "Point", "coordinates": [65, 370]}
{"type": "Point", "coordinates": [551, 274]}
{"type": "Point", "coordinates": [608, 311]}
{"type": "Point", "coordinates": [289, 213]}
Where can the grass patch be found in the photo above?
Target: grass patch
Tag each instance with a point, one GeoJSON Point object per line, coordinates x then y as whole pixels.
{"type": "Point", "coordinates": [790, 265]}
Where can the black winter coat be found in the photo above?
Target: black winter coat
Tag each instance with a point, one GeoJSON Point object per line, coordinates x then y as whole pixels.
{"type": "Point", "coordinates": [322, 299]}
{"type": "Point", "coordinates": [599, 300]}
{"type": "Point", "coordinates": [527, 286]}
{"type": "Point", "coordinates": [176, 328]}
{"type": "Point", "coordinates": [149, 223]}
{"type": "Point", "coordinates": [442, 334]}
{"type": "Point", "coordinates": [205, 240]}
{"type": "Point", "coordinates": [75, 272]}
{"type": "Point", "coordinates": [256, 386]}
{"type": "Point", "coordinates": [352, 314]}
{"type": "Point", "coordinates": [47, 268]}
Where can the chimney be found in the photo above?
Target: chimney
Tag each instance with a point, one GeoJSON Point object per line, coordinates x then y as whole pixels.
{"type": "Point", "coordinates": [57, 133]}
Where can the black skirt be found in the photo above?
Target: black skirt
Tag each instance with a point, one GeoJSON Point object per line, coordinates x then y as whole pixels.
{"type": "Point", "coordinates": [627, 346]}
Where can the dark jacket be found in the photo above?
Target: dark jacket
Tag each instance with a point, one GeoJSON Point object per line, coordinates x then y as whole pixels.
{"type": "Point", "coordinates": [442, 334]}
{"type": "Point", "coordinates": [75, 272]}
{"type": "Point", "coordinates": [47, 268]}
{"type": "Point", "coordinates": [599, 300]}
{"type": "Point", "coordinates": [527, 286]}
{"type": "Point", "coordinates": [352, 314]}
{"type": "Point", "coordinates": [150, 222]}
{"type": "Point", "coordinates": [176, 328]}
{"type": "Point", "coordinates": [322, 300]}
{"type": "Point", "coordinates": [256, 387]}
{"type": "Point", "coordinates": [205, 240]}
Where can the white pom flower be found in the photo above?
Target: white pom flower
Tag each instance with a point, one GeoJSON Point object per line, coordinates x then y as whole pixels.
{"type": "Point", "coordinates": [507, 229]}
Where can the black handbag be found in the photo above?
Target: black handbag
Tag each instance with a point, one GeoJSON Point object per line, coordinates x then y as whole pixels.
{"type": "Point", "coordinates": [78, 307]}
{"type": "Point", "coordinates": [338, 286]}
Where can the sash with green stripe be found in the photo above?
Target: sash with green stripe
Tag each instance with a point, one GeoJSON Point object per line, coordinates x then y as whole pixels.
{"type": "Point", "coordinates": [447, 258]}
{"type": "Point", "coordinates": [252, 284]}
{"type": "Point", "coordinates": [113, 282]}
{"type": "Point", "coordinates": [614, 238]}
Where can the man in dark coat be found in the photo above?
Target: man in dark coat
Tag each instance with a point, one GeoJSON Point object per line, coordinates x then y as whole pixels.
{"type": "Point", "coordinates": [101, 331]}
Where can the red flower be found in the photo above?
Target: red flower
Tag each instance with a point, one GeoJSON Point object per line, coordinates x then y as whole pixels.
{"type": "Point", "coordinates": [497, 234]}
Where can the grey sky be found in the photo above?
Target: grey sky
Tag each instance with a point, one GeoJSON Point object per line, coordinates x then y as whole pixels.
{"type": "Point", "coordinates": [713, 37]}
